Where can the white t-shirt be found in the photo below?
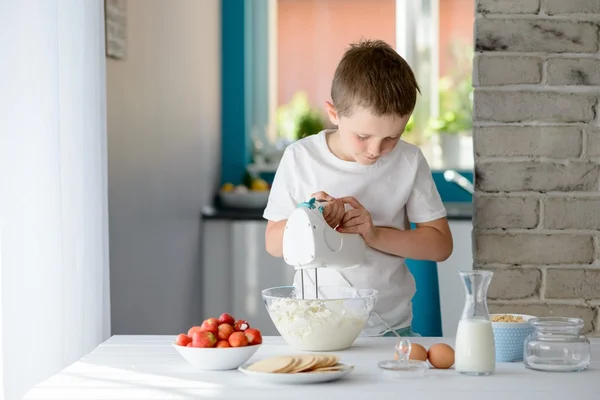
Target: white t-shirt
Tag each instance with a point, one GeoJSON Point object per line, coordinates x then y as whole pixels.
{"type": "Point", "coordinates": [398, 185]}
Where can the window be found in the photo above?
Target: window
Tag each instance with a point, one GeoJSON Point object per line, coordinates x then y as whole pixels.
{"type": "Point", "coordinates": [308, 37]}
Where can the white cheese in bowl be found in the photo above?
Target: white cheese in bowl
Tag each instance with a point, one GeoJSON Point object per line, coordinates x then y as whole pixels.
{"type": "Point", "coordinates": [317, 325]}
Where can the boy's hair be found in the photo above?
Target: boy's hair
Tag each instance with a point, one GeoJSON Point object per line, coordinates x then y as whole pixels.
{"type": "Point", "coordinates": [373, 75]}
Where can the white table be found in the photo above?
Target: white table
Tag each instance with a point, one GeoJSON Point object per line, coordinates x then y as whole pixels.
{"type": "Point", "coordinates": [147, 367]}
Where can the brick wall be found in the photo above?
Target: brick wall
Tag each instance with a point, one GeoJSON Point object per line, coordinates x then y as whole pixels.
{"type": "Point", "coordinates": [537, 145]}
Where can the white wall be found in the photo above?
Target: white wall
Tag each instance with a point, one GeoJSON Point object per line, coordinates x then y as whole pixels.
{"type": "Point", "coordinates": [164, 153]}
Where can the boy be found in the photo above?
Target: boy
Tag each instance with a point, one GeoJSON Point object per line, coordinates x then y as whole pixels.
{"type": "Point", "coordinates": [373, 183]}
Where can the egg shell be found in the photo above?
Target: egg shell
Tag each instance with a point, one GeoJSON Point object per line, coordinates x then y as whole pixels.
{"type": "Point", "coordinates": [441, 356]}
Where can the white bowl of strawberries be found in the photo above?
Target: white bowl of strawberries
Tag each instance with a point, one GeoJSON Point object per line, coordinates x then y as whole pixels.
{"type": "Point", "coordinates": [219, 343]}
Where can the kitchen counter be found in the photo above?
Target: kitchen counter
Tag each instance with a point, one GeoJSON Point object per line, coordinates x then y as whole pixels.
{"type": "Point", "coordinates": [457, 211]}
{"type": "Point", "coordinates": [148, 367]}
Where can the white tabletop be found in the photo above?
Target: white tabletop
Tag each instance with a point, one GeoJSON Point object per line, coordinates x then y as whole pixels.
{"type": "Point", "coordinates": [148, 367]}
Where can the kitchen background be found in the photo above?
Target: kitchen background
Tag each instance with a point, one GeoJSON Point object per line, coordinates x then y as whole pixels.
{"type": "Point", "coordinates": [210, 93]}
{"type": "Point", "coordinates": [186, 116]}
{"type": "Point", "coordinates": [115, 168]}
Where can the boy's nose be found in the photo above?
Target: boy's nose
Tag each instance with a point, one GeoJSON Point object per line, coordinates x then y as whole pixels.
{"type": "Point", "coordinates": [375, 151]}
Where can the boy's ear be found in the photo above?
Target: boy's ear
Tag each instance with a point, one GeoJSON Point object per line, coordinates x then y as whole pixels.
{"type": "Point", "coordinates": [332, 113]}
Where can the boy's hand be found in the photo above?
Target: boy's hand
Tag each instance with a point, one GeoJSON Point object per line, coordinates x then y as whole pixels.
{"type": "Point", "coordinates": [357, 220]}
{"type": "Point", "coordinates": [333, 211]}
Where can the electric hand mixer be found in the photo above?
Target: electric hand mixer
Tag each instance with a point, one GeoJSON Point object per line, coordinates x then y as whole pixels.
{"type": "Point", "coordinates": [309, 242]}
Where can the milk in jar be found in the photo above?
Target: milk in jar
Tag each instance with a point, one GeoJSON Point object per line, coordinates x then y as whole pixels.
{"type": "Point", "coordinates": [475, 347]}
{"type": "Point", "coordinates": [475, 352]}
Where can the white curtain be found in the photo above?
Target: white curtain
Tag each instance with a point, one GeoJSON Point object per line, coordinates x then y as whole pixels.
{"type": "Point", "coordinates": [54, 305]}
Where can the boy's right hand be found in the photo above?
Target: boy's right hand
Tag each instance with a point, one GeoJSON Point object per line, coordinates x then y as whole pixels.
{"type": "Point", "coordinates": [334, 209]}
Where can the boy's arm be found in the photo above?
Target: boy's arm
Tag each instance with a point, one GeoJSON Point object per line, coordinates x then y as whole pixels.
{"type": "Point", "coordinates": [274, 237]}
{"type": "Point", "coordinates": [429, 241]}
{"type": "Point", "coordinates": [282, 201]}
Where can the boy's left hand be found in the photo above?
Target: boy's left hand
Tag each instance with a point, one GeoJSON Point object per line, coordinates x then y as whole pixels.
{"type": "Point", "coordinates": [357, 220]}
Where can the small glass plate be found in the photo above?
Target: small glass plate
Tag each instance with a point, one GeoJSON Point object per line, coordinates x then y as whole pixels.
{"type": "Point", "coordinates": [402, 369]}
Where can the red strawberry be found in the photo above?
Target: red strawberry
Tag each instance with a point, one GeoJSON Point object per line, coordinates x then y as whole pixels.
{"type": "Point", "coordinates": [209, 327]}
{"type": "Point", "coordinates": [240, 325]}
{"type": "Point", "coordinates": [183, 339]}
{"type": "Point", "coordinates": [253, 335]}
{"type": "Point", "coordinates": [238, 339]}
{"type": "Point", "coordinates": [204, 339]}
{"type": "Point", "coordinates": [224, 331]}
{"type": "Point", "coordinates": [193, 329]}
{"type": "Point", "coordinates": [226, 319]}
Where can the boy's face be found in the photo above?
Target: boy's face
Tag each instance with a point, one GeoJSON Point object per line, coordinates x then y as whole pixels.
{"type": "Point", "coordinates": [365, 137]}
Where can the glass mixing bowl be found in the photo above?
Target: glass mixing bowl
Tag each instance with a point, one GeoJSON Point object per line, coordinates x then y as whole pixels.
{"type": "Point", "coordinates": [331, 322]}
{"type": "Point", "coordinates": [557, 345]}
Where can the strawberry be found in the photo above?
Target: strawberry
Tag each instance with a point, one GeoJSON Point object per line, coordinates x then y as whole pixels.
{"type": "Point", "coordinates": [182, 339]}
{"type": "Point", "coordinates": [193, 329]}
{"type": "Point", "coordinates": [240, 325]}
{"type": "Point", "coordinates": [238, 339]}
{"type": "Point", "coordinates": [224, 331]}
{"type": "Point", "coordinates": [209, 327]}
{"type": "Point", "coordinates": [204, 339]}
{"type": "Point", "coordinates": [253, 335]}
{"type": "Point", "coordinates": [226, 319]}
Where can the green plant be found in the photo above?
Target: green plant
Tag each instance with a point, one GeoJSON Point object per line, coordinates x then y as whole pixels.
{"type": "Point", "coordinates": [455, 96]}
{"type": "Point", "coordinates": [410, 125]}
{"type": "Point", "coordinates": [298, 119]}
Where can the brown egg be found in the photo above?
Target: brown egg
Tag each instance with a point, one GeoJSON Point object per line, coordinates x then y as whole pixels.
{"type": "Point", "coordinates": [441, 356]}
{"type": "Point", "coordinates": [418, 352]}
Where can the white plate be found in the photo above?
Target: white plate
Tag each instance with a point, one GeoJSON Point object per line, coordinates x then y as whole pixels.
{"type": "Point", "coordinates": [299, 378]}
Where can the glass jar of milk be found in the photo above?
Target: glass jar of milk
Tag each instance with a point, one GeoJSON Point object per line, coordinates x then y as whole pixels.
{"type": "Point", "coordinates": [475, 352]}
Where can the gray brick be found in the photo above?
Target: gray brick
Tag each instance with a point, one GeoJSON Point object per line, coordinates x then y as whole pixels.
{"type": "Point", "coordinates": [553, 7]}
{"type": "Point", "coordinates": [505, 212]}
{"type": "Point", "coordinates": [570, 213]}
{"type": "Point", "coordinates": [505, 70]}
{"type": "Point", "coordinates": [509, 106]}
{"type": "Point", "coordinates": [515, 283]}
{"type": "Point", "coordinates": [536, 176]}
{"type": "Point", "coordinates": [534, 249]}
{"type": "Point", "coordinates": [515, 141]}
{"type": "Point", "coordinates": [548, 310]}
{"type": "Point", "coordinates": [572, 284]}
{"type": "Point", "coordinates": [508, 6]}
{"type": "Point", "coordinates": [573, 71]}
{"type": "Point", "coordinates": [535, 35]}
{"type": "Point", "coordinates": [593, 144]}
